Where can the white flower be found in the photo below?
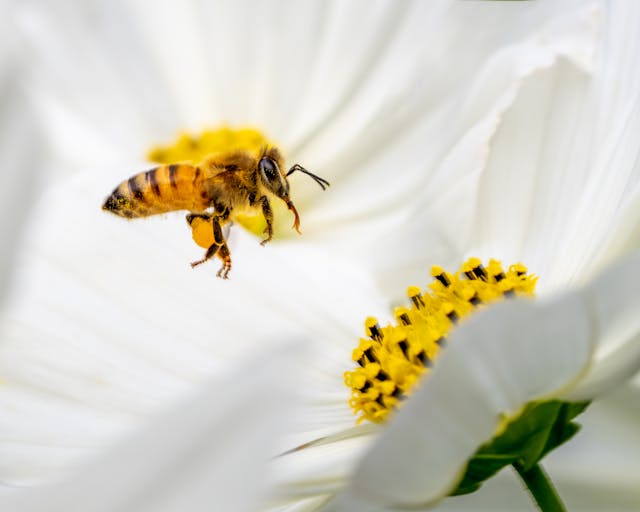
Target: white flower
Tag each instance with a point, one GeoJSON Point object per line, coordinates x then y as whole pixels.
{"type": "Point", "coordinates": [19, 144]}
{"type": "Point", "coordinates": [572, 348]}
{"type": "Point", "coordinates": [406, 108]}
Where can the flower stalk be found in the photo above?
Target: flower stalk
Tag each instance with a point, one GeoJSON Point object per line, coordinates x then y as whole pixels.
{"type": "Point", "coordinates": [540, 487]}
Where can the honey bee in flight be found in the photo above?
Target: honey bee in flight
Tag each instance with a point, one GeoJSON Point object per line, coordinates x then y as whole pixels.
{"type": "Point", "coordinates": [221, 187]}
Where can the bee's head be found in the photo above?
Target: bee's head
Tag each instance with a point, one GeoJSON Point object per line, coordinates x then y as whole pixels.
{"type": "Point", "coordinates": [271, 174]}
{"type": "Point", "coordinates": [270, 167]}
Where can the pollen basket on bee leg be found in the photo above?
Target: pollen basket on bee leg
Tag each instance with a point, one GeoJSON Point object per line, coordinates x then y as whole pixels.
{"type": "Point", "coordinates": [202, 232]}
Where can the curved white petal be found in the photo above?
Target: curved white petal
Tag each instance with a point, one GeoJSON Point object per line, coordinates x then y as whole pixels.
{"type": "Point", "coordinates": [624, 235]}
{"type": "Point", "coordinates": [206, 453]}
{"type": "Point", "coordinates": [108, 323]}
{"type": "Point", "coordinates": [497, 361]}
{"type": "Point", "coordinates": [614, 304]}
{"type": "Point", "coordinates": [138, 74]}
{"type": "Point", "coordinates": [318, 78]}
{"type": "Point", "coordinates": [564, 165]}
{"type": "Point", "coordinates": [440, 224]}
{"type": "Point", "coordinates": [596, 471]}
{"type": "Point", "coordinates": [602, 462]}
{"type": "Point", "coordinates": [19, 145]}
{"type": "Point", "coordinates": [314, 504]}
{"type": "Point", "coordinates": [562, 175]}
{"type": "Point", "coordinates": [318, 470]}
{"type": "Point", "coordinates": [621, 135]}
{"type": "Point", "coordinates": [101, 97]}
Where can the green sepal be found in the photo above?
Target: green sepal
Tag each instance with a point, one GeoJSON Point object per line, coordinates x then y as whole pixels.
{"type": "Point", "coordinates": [526, 439]}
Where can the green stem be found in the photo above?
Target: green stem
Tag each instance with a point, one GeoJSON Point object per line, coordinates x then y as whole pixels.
{"type": "Point", "coordinates": [542, 490]}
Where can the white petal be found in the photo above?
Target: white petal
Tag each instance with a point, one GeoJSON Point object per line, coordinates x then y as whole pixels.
{"type": "Point", "coordinates": [614, 303]}
{"type": "Point", "coordinates": [318, 470]}
{"type": "Point", "coordinates": [596, 471]}
{"type": "Point", "coordinates": [19, 145]}
{"type": "Point", "coordinates": [302, 505]}
{"type": "Point", "coordinates": [564, 165]}
{"type": "Point", "coordinates": [498, 360]}
{"type": "Point", "coordinates": [444, 193]}
{"type": "Point", "coordinates": [101, 96]}
{"type": "Point", "coordinates": [322, 465]}
{"type": "Point", "coordinates": [623, 236]}
{"type": "Point", "coordinates": [108, 323]}
{"type": "Point", "coordinates": [209, 452]}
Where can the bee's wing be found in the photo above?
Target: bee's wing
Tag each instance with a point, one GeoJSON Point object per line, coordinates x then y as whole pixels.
{"type": "Point", "coordinates": [226, 230]}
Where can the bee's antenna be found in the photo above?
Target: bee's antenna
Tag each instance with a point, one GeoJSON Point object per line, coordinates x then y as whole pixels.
{"type": "Point", "coordinates": [320, 181]}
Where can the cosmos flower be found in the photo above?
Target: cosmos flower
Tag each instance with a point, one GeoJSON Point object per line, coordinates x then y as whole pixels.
{"type": "Point", "coordinates": [418, 136]}
{"type": "Point", "coordinates": [574, 348]}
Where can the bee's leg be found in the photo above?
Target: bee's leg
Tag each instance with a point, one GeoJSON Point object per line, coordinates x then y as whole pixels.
{"type": "Point", "coordinates": [223, 253]}
{"type": "Point", "coordinates": [192, 216]}
{"type": "Point", "coordinates": [219, 247]}
{"type": "Point", "coordinates": [268, 216]}
{"type": "Point", "coordinates": [211, 252]}
{"type": "Point", "coordinates": [225, 256]}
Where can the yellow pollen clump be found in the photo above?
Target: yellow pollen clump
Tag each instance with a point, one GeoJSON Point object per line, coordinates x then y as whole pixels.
{"type": "Point", "coordinates": [391, 359]}
{"type": "Point", "coordinates": [194, 149]}
{"type": "Point", "coordinates": [202, 232]}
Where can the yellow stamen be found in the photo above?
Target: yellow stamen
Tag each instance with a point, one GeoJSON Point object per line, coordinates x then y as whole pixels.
{"type": "Point", "coordinates": [392, 359]}
{"type": "Point", "coordinates": [194, 149]}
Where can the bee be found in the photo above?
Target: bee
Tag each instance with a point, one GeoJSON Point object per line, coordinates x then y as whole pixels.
{"type": "Point", "coordinates": [222, 186]}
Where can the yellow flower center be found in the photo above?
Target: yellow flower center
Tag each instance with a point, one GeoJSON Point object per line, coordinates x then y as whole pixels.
{"type": "Point", "coordinates": [392, 359]}
{"type": "Point", "coordinates": [194, 149]}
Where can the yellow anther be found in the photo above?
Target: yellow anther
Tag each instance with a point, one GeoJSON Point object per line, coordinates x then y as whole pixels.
{"type": "Point", "coordinates": [470, 265]}
{"type": "Point", "coordinates": [518, 268]}
{"type": "Point", "coordinates": [413, 291]}
{"type": "Point", "coordinates": [394, 358]}
{"type": "Point", "coordinates": [372, 328]}
{"type": "Point", "coordinates": [436, 271]}
{"type": "Point", "coordinates": [370, 322]}
{"type": "Point", "coordinates": [402, 315]}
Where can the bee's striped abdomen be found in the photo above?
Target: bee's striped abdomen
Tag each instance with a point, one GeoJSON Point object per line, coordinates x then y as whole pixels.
{"type": "Point", "coordinates": [162, 189]}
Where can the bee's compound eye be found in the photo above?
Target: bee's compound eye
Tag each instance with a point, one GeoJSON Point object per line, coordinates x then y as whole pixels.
{"type": "Point", "coordinates": [268, 168]}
